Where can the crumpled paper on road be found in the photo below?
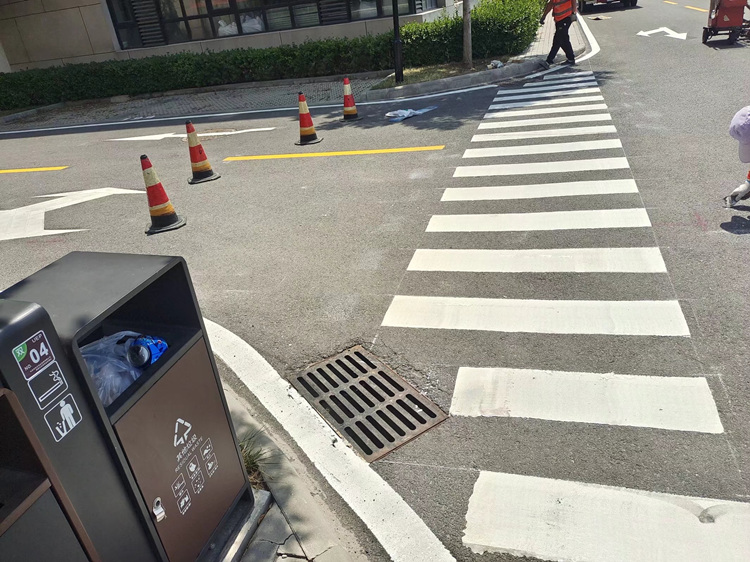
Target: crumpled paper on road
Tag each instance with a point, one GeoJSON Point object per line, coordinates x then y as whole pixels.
{"type": "Point", "coordinates": [401, 114]}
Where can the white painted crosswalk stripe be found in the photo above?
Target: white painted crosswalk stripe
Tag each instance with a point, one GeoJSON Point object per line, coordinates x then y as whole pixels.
{"type": "Point", "coordinates": [541, 87]}
{"type": "Point", "coordinates": [596, 117]}
{"type": "Point", "coordinates": [565, 260]}
{"type": "Point", "coordinates": [550, 220]}
{"type": "Point", "coordinates": [562, 520]}
{"type": "Point", "coordinates": [541, 167]}
{"type": "Point", "coordinates": [539, 190]}
{"type": "Point", "coordinates": [672, 403]}
{"type": "Point", "coordinates": [554, 148]}
{"type": "Point", "coordinates": [547, 111]}
{"type": "Point", "coordinates": [537, 95]}
{"type": "Point", "coordinates": [616, 318]}
{"type": "Point", "coordinates": [536, 103]}
{"type": "Point", "coordinates": [547, 133]}
{"type": "Point", "coordinates": [552, 77]}
{"type": "Point", "coordinates": [560, 80]}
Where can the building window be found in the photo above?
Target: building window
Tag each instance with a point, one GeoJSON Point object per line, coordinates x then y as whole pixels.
{"type": "Point", "coordinates": [151, 23]}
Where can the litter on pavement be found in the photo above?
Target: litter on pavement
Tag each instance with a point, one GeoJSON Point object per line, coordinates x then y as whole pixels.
{"type": "Point", "coordinates": [401, 114]}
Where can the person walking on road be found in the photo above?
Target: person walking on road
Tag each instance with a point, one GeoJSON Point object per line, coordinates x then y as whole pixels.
{"type": "Point", "coordinates": [562, 11]}
{"type": "Point", "coordinates": [739, 129]}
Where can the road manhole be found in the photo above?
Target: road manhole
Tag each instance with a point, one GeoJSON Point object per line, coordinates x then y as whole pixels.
{"type": "Point", "coordinates": [366, 402]}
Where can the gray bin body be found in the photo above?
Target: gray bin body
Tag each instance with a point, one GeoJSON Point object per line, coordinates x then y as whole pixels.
{"type": "Point", "coordinates": [112, 476]}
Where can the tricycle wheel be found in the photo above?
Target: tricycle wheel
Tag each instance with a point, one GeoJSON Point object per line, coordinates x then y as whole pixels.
{"type": "Point", "coordinates": [733, 36]}
{"type": "Point", "coordinates": [582, 7]}
{"type": "Point", "coordinates": [633, 3]}
{"type": "Point", "coordinates": [705, 35]}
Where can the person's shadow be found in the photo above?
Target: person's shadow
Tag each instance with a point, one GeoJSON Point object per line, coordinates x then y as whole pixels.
{"type": "Point", "coordinates": [738, 225]}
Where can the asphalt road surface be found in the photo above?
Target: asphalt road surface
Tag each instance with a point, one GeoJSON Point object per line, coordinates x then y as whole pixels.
{"type": "Point", "coordinates": [553, 267]}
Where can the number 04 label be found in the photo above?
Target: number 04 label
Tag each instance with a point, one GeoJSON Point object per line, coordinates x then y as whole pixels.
{"type": "Point", "coordinates": [33, 355]}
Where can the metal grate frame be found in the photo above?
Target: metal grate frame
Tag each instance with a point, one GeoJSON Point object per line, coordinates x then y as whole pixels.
{"type": "Point", "coordinates": [366, 402]}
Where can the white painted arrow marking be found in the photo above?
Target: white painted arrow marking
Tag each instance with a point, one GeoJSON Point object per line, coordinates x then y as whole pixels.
{"type": "Point", "coordinates": [28, 222]}
{"type": "Point", "coordinates": [669, 32]}
{"type": "Point", "coordinates": [163, 136]}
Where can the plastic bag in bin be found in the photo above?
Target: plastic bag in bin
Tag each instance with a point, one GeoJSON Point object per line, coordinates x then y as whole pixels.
{"type": "Point", "coordinates": [115, 362]}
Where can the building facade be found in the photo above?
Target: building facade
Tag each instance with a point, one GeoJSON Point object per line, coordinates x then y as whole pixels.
{"type": "Point", "coordinates": [43, 33]}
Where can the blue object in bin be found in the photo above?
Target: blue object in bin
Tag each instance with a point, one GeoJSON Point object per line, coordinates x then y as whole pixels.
{"type": "Point", "coordinates": [146, 350]}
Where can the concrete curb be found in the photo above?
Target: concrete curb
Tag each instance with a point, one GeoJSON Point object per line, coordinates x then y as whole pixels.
{"type": "Point", "coordinates": [29, 112]}
{"type": "Point", "coordinates": [316, 529]}
{"type": "Point", "coordinates": [510, 70]}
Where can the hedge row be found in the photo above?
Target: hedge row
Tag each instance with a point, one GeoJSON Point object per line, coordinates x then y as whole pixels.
{"type": "Point", "coordinates": [499, 27]}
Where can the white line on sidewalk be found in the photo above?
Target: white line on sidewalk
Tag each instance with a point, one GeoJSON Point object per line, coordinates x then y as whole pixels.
{"type": "Point", "coordinates": [541, 167]}
{"type": "Point", "coordinates": [547, 133]}
{"type": "Point", "coordinates": [542, 87]}
{"type": "Point", "coordinates": [594, 50]}
{"type": "Point", "coordinates": [546, 121]}
{"type": "Point", "coordinates": [532, 96]}
{"type": "Point", "coordinates": [614, 318]}
{"type": "Point", "coordinates": [536, 103]}
{"type": "Point", "coordinates": [554, 148]}
{"type": "Point", "coordinates": [400, 531]}
{"type": "Point", "coordinates": [548, 220]}
{"type": "Point", "coordinates": [563, 520]}
{"type": "Point", "coordinates": [566, 75]}
{"type": "Point", "coordinates": [565, 260]}
{"type": "Point", "coordinates": [673, 403]}
{"type": "Point", "coordinates": [547, 111]}
{"type": "Point", "coordinates": [559, 80]}
{"type": "Point", "coordinates": [535, 191]}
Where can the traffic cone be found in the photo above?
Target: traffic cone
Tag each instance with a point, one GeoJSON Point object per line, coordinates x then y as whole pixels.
{"type": "Point", "coordinates": [350, 110]}
{"type": "Point", "coordinates": [163, 215]}
{"type": "Point", "coordinates": [306, 128]}
{"type": "Point", "coordinates": [198, 160]}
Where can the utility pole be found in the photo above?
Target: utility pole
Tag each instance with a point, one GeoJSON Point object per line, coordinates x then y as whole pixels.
{"type": "Point", "coordinates": [397, 46]}
{"type": "Point", "coordinates": [467, 33]}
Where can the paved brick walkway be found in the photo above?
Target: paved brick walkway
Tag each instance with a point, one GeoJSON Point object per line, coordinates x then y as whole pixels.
{"type": "Point", "coordinates": [543, 42]}
{"type": "Point", "coordinates": [241, 97]}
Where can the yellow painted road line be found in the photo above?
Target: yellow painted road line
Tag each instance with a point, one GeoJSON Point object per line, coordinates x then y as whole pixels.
{"type": "Point", "coordinates": [668, 2]}
{"type": "Point", "coordinates": [21, 170]}
{"type": "Point", "coordinates": [342, 153]}
{"type": "Point", "coordinates": [696, 9]}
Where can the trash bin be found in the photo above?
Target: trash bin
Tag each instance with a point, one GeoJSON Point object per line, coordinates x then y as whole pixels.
{"type": "Point", "coordinates": [157, 473]}
{"type": "Point", "coordinates": [36, 518]}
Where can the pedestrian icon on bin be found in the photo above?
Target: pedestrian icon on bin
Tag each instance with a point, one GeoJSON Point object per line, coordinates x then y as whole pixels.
{"type": "Point", "coordinates": [63, 417]}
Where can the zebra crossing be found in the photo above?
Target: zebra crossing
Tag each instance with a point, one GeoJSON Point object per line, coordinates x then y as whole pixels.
{"type": "Point", "coordinates": [536, 158]}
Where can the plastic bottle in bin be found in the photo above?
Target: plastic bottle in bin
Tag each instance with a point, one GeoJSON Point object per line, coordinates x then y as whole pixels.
{"type": "Point", "coordinates": [115, 362]}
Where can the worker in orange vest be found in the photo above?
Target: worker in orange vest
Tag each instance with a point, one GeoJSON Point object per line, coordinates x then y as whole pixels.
{"type": "Point", "coordinates": [563, 12]}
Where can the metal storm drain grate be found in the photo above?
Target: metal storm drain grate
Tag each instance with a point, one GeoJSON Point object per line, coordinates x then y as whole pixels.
{"type": "Point", "coordinates": [367, 403]}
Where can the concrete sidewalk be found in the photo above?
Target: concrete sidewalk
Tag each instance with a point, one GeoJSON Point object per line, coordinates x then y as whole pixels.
{"type": "Point", "coordinates": [298, 525]}
{"type": "Point", "coordinates": [272, 95]}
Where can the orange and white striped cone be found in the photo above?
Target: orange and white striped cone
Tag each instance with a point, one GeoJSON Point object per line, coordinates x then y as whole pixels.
{"type": "Point", "coordinates": [163, 215]}
{"type": "Point", "coordinates": [350, 109]}
{"type": "Point", "coordinates": [307, 133]}
{"type": "Point", "coordinates": [198, 160]}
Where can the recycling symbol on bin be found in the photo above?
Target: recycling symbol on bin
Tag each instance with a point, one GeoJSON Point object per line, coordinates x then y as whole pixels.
{"type": "Point", "coordinates": [180, 436]}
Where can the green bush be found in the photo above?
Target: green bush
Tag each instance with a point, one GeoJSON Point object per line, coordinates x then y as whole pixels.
{"type": "Point", "coordinates": [499, 27]}
{"type": "Point", "coordinates": [503, 26]}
